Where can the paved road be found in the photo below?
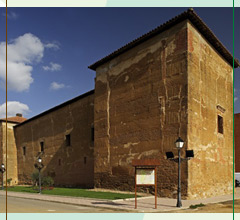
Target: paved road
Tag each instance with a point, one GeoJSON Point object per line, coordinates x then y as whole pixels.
{"type": "Point", "coordinates": [17, 205]}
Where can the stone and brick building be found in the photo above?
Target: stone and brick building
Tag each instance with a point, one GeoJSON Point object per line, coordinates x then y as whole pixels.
{"type": "Point", "coordinates": [237, 145]}
{"type": "Point", "coordinates": [174, 81]}
{"type": "Point", "coordinates": [11, 149]}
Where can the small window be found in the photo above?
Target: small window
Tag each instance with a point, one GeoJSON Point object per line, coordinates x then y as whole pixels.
{"type": "Point", "coordinates": [68, 140]}
{"type": "Point", "coordinates": [220, 124]}
{"type": "Point", "coordinates": [24, 151]}
{"type": "Point", "coordinates": [85, 160]}
{"type": "Point", "coordinates": [92, 134]}
{"type": "Point", "coordinates": [59, 162]}
{"type": "Point", "coordinates": [42, 146]}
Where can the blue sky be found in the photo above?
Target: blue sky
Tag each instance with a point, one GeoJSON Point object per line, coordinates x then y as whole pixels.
{"type": "Point", "coordinates": [53, 48]}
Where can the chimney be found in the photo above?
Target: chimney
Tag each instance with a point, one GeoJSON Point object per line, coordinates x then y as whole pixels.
{"type": "Point", "coordinates": [19, 115]}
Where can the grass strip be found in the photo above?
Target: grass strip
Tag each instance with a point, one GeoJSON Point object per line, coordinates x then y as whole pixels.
{"type": "Point", "coordinates": [73, 192]}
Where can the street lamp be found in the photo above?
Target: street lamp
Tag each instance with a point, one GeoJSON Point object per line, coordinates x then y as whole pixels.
{"type": "Point", "coordinates": [2, 170]}
{"type": "Point", "coordinates": [179, 144]}
{"type": "Point", "coordinates": [39, 166]}
{"type": "Point", "coordinates": [170, 156]}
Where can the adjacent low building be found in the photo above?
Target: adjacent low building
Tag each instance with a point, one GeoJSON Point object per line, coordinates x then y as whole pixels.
{"type": "Point", "coordinates": [11, 147]}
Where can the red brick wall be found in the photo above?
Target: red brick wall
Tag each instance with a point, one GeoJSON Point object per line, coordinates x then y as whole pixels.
{"type": "Point", "coordinates": [237, 142]}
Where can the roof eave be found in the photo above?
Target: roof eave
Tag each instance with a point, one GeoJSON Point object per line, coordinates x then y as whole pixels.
{"type": "Point", "coordinates": [2, 120]}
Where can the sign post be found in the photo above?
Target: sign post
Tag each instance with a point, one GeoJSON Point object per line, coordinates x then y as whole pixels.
{"type": "Point", "coordinates": [146, 175]}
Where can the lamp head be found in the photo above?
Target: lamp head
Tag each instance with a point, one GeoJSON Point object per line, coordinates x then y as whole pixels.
{"type": "Point", "coordinates": [179, 143]}
{"type": "Point", "coordinates": [3, 166]}
{"type": "Point", "coordinates": [40, 160]}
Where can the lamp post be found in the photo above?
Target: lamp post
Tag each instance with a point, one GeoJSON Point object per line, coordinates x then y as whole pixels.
{"type": "Point", "coordinates": [40, 162]}
{"type": "Point", "coordinates": [179, 144]}
{"type": "Point", "coordinates": [2, 170]}
{"type": "Point", "coordinates": [39, 166]}
{"type": "Point", "coordinates": [170, 156]}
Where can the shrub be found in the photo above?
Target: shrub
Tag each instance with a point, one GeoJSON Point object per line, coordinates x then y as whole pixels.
{"type": "Point", "coordinates": [35, 178]}
{"type": "Point", "coordinates": [47, 181]}
{"type": "Point", "coordinates": [9, 181]}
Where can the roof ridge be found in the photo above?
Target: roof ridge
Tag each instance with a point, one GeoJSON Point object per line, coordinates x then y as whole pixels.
{"type": "Point", "coordinates": [14, 119]}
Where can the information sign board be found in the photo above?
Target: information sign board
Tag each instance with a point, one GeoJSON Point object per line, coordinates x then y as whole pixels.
{"type": "Point", "coordinates": [145, 176]}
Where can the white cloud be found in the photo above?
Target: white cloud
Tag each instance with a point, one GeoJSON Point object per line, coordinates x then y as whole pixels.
{"type": "Point", "coordinates": [57, 86]}
{"type": "Point", "coordinates": [22, 53]}
{"type": "Point", "coordinates": [52, 67]}
{"type": "Point", "coordinates": [54, 46]}
{"type": "Point", "coordinates": [11, 15]}
{"type": "Point", "coordinates": [13, 108]}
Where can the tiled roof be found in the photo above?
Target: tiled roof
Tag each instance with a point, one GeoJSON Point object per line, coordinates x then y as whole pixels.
{"type": "Point", "coordinates": [195, 20]}
{"type": "Point", "coordinates": [15, 119]}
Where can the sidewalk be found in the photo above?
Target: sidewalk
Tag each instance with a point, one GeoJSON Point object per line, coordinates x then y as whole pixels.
{"type": "Point", "coordinates": [145, 204]}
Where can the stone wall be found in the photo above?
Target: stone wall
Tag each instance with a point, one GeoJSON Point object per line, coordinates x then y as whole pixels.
{"type": "Point", "coordinates": [210, 93]}
{"type": "Point", "coordinates": [140, 110]}
{"type": "Point", "coordinates": [12, 152]}
{"type": "Point", "coordinates": [237, 141]}
{"type": "Point", "coordinates": [68, 165]}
